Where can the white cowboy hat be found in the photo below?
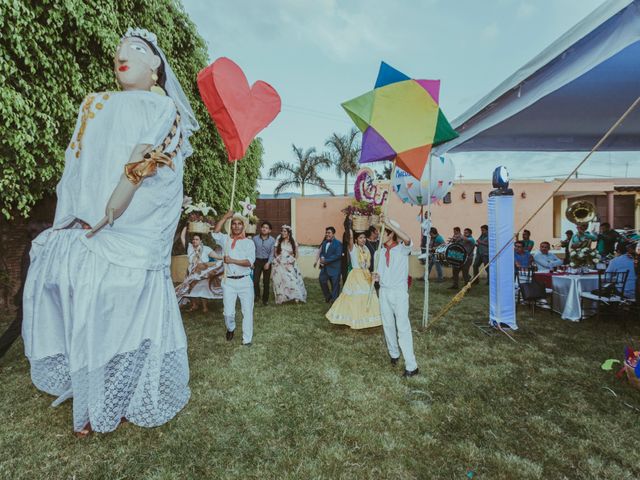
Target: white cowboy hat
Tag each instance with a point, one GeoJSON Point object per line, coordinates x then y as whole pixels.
{"type": "Point", "coordinates": [236, 216]}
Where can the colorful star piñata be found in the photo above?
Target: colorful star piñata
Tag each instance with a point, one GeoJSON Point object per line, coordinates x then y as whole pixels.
{"type": "Point", "coordinates": [400, 119]}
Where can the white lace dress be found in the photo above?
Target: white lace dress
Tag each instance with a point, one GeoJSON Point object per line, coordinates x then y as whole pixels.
{"type": "Point", "coordinates": [101, 320]}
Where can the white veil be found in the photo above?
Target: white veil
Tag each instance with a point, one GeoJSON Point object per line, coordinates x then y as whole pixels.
{"type": "Point", "coordinates": [188, 121]}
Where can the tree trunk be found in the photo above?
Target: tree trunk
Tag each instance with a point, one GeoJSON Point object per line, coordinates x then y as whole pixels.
{"type": "Point", "coordinates": [302, 188]}
{"type": "Point", "coordinates": [346, 191]}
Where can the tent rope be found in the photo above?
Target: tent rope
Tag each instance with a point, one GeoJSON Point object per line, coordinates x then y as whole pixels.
{"type": "Point", "coordinates": [461, 294]}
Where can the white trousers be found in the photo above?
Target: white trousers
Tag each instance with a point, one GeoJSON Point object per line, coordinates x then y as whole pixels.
{"type": "Point", "coordinates": [394, 307]}
{"type": "Point", "coordinates": [241, 288]}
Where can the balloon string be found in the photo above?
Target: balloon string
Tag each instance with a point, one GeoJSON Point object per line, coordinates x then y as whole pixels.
{"type": "Point", "coordinates": [460, 295]}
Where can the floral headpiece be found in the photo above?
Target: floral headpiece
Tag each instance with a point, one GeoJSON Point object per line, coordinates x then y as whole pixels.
{"type": "Point", "coordinates": [142, 33]}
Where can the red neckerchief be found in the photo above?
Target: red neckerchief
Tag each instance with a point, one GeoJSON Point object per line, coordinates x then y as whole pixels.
{"type": "Point", "coordinates": [387, 253]}
{"type": "Point", "coordinates": [235, 239]}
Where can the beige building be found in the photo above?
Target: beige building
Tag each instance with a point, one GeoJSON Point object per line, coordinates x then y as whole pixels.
{"type": "Point", "coordinates": [617, 201]}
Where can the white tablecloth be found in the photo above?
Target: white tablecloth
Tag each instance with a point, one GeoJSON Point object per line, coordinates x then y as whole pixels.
{"type": "Point", "coordinates": [566, 294]}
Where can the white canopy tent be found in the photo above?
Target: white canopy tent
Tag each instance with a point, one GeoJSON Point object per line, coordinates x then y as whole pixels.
{"type": "Point", "coordinates": [568, 96]}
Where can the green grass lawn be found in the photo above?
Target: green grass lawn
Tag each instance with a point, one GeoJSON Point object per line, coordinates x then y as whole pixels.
{"type": "Point", "coordinates": [313, 400]}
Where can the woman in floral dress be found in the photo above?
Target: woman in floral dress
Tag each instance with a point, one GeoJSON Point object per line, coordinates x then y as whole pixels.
{"type": "Point", "coordinates": [204, 276]}
{"type": "Point", "coordinates": [286, 277]}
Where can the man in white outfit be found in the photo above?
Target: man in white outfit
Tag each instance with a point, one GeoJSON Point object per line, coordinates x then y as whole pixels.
{"type": "Point", "coordinates": [393, 274]}
{"type": "Point", "coordinates": [239, 257]}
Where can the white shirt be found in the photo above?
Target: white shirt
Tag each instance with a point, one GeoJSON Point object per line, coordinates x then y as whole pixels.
{"type": "Point", "coordinates": [546, 262]}
{"type": "Point", "coordinates": [355, 257]}
{"type": "Point", "coordinates": [142, 237]}
{"type": "Point", "coordinates": [396, 274]}
{"type": "Point", "coordinates": [245, 249]}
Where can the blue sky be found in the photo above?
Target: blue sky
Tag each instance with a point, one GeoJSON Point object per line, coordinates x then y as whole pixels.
{"type": "Point", "coordinates": [319, 53]}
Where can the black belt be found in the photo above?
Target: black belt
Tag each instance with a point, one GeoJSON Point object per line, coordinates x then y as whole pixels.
{"type": "Point", "coordinates": [237, 277]}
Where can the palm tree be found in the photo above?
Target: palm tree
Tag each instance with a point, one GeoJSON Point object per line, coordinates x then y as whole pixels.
{"type": "Point", "coordinates": [386, 172]}
{"type": "Point", "coordinates": [343, 153]}
{"type": "Point", "coordinates": [303, 172]}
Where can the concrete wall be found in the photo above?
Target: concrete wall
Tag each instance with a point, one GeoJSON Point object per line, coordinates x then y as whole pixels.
{"type": "Point", "coordinates": [312, 214]}
{"type": "Point", "coordinates": [180, 263]}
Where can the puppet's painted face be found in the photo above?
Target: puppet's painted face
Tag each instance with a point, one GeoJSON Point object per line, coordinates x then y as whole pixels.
{"type": "Point", "coordinates": [134, 63]}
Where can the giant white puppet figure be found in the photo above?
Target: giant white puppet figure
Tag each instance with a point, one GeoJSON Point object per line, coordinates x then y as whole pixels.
{"type": "Point", "coordinates": [101, 321]}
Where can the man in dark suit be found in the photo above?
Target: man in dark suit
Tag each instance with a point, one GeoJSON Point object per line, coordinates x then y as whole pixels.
{"type": "Point", "coordinates": [330, 259]}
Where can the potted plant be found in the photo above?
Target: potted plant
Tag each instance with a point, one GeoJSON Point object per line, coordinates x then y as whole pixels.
{"type": "Point", "coordinates": [583, 259]}
{"type": "Point", "coordinates": [360, 212]}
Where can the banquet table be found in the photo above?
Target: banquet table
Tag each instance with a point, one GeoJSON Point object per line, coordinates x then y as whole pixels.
{"type": "Point", "coordinates": [566, 293]}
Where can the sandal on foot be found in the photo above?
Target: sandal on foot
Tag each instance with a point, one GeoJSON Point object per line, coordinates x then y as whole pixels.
{"type": "Point", "coordinates": [85, 432]}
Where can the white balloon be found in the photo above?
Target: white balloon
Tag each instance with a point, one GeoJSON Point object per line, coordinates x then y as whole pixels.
{"type": "Point", "coordinates": [399, 184]}
{"type": "Point", "coordinates": [409, 189]}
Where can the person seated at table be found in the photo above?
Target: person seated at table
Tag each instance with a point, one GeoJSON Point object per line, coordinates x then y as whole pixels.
{"type": "Point", "coordinates": [607, 239]}
{"type": "Point", "coordinates": [526, 241]}
{"type": "Point", "coordinates": [544, 260]}
{"type": "Point", "coordinates": [625, 263]}
{"type": "Point", "coordinates": [521, 256]}
{"type": "Point", "coordinates": [566, 243]}
{"type": "Point", "coordinates": [582, 238]}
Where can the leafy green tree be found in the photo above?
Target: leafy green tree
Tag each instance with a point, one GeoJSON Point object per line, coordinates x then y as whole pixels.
{"type": "Point", "coordinates": [54, 52]}
{"type": "Point", "coordinates": [303, 172]}
{"type": "Point", "coordinates": [343, 153]}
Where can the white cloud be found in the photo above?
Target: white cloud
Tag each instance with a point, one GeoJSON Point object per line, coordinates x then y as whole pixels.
{"type": "Point", "coordinates": [338, 30]}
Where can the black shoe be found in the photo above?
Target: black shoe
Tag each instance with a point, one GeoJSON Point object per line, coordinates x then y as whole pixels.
{"type": "Point", "coordinates": [411, 373]}
{"type": "Point", "coordinates": [246, 344]}
{"type": "Point", "coordinates": [265, 303]}
{"type": "Point", "coordinates": [454, 287]}
{"type": "Point", "coordinates": [327, 300]}
{"type": "Point", "coordinates": [229, 335]}
{"type": "Point", "coordinates": [394, 361]}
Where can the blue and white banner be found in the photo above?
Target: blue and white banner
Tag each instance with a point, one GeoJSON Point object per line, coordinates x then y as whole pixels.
{"type": "Point", "coordinates": [502, 303]}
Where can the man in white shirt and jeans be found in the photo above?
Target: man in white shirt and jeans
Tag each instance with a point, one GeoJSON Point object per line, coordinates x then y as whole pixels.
{"type": "Point", "coordinates": [393, 275]}
{"type": "Point", "coordinates": [239, 257]}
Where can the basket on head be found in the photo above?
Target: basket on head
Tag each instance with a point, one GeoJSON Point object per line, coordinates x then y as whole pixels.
{"type": "Point", "coordinates": [360, 223]}
{"type": "Point", "coordinates": [631, 375]}
{"type": "Point", "coordinates": [251, 229]}
{"type": "Point", "coordinates": [198, 227]}
{"type": "Point", "coordinates": [374, 220]}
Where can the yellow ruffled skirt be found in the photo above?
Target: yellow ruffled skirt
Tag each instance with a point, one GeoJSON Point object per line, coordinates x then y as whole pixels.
{"type": "Point", "coordinates": [353, 307]}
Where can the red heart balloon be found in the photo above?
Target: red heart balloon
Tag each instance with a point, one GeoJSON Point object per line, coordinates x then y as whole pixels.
{"type": "Point", "coordinates": [238, 111]}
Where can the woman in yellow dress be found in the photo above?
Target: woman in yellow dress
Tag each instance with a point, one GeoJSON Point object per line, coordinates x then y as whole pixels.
{"type": "Point", "coordinates": [353, 307]}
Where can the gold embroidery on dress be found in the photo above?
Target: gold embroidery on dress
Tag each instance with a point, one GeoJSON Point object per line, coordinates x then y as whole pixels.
{"type": "Point", "coordinates": [87, 114]}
